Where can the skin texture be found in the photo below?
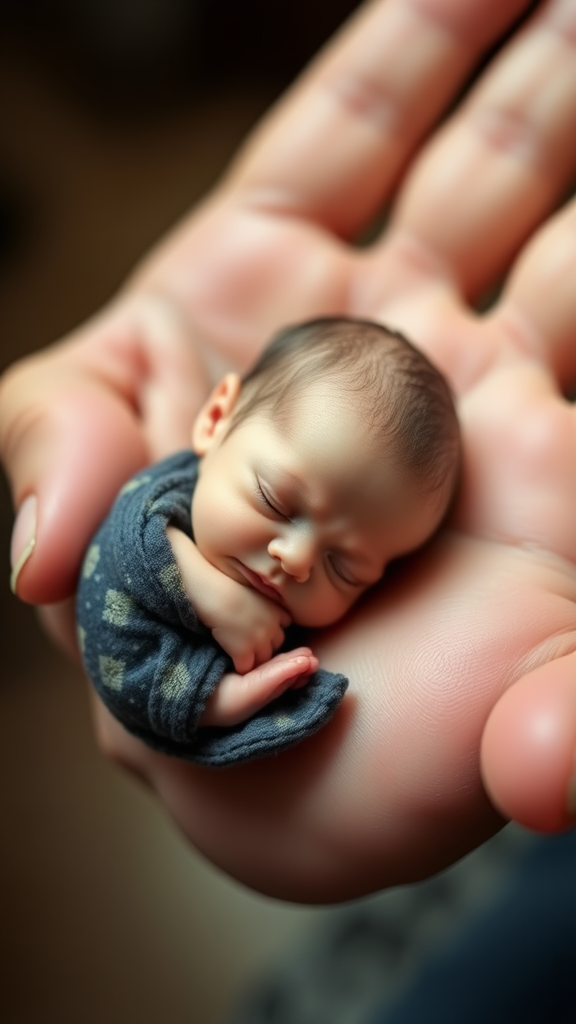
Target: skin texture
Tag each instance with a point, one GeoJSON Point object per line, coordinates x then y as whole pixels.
{"type": "Point", "coordinates": [463, 670]}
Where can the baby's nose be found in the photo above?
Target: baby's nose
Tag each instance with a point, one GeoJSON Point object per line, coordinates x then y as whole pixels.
{"type": "Point", "coordinates": [295, 554]}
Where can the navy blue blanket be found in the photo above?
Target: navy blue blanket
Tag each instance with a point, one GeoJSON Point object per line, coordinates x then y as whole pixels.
{"type": "Point", "coordinates": [150, 658]}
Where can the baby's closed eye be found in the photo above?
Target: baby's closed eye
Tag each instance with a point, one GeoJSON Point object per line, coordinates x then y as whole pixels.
{"type": "Point", "coordinates": [271, 500]}
{"type": "Point", "coordinates": [344, 572]}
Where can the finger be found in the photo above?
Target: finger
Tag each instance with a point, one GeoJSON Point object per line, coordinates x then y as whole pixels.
{"type": "Point", "coordinates": [299, 652]}
{"type": "Point", "coordinates": [528, 752]}
{"type": "Point", "coordinates": [244, 662]}
{"type": "Point", "coordinates": [297, 682]}
{"type": "Point", "coordinates": [68, 444]}
{"type": "Point", "coordinates": [504, 159]}
{"type": "Point", "coordinates": [264, 651]}
{"type": "Point", "coordinates": [238, 698]}
{"type": "Point", "coordinates": [335, 146]}
{"type": "Point", "coordinates": [296, 653]}
{"type": "Point", "coordinates": [278, 639]}
{"type": "Point", "coordinates": [538, 306]}
{"type": "Point", "coordinates": [76, 422]}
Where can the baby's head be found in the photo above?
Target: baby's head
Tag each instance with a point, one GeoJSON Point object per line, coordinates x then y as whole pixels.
{"type": "Point", "coordinates": [337, 453]}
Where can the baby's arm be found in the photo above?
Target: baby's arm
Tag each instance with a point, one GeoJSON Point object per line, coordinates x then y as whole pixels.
{"type": "Point", "coordinates": [249, 628]}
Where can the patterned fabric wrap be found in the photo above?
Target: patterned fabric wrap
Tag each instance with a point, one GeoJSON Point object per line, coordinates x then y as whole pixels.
{"type": "Point", "coordinates": [152, 661]}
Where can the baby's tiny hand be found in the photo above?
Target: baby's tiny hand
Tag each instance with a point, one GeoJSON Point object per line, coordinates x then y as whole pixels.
{"type": "Point", "coordinates": [250, 627]}
{"type": "Point", "coordinates": [237, 698]}
{"type": "Point", "coordinates": [247, 625]}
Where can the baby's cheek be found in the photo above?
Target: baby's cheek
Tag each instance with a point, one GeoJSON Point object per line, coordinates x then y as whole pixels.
{"type": "Point", "coordinates": [205, 529]}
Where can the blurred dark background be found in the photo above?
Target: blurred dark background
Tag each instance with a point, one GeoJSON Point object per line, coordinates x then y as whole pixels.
{"type": "Point", "coordinates": [115, 117]}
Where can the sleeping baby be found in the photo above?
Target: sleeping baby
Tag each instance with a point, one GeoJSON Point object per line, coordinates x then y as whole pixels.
{"type": "Point", "coordinates": [335, 455]}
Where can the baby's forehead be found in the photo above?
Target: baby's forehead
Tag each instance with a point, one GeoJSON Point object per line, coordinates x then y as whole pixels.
{"type": "Point", "coordinates": [333, 445]}
{"type": "Point", "coordinates": [324, 403]}
{"type": "Point", "coordinates": [326, 408]}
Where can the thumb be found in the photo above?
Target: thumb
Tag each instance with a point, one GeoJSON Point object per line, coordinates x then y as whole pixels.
{"type": "Point", "coordinates": [528, 752]}
{"type": "Point", "coordinates": [68, 443]}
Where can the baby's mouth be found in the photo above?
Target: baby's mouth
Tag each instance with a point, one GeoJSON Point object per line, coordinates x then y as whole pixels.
{"type": "Point", "coordinates": [261, 584]}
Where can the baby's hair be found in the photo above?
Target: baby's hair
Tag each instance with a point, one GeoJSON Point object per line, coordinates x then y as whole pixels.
{"type": "Point", "coordinates": [406, 401]}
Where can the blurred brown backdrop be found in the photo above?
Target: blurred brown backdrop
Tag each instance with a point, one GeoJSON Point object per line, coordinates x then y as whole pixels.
{"type": "Point", "coordinates": [115, 117]}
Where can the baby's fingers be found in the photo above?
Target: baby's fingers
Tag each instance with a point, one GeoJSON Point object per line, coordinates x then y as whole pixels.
{"type": "Point", "coordinates": [239, 697]}
{"type": "Point", "coordinates": [301, 677]}
{"type": "Point", "coordinates": [264, 642]}
{"type": "Point", "coordinates": [243, 661]}
{"type": "Point", "coordinates": [297, 652]}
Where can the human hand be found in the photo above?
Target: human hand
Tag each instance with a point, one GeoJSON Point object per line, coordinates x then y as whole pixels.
{"type": "Point", "coordinates": [238, 697]}
{"type": "Point", "coordinates": [461, 670]}
{"type": "Point", "coordinates": [247, 625]}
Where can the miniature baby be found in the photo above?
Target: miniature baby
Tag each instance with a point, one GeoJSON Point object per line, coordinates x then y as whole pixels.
{"type": "Point", "coordinates": [335, 455]}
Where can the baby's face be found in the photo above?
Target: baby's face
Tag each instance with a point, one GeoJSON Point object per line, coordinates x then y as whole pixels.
{"type": "Point", "coordinates": [306, 513]}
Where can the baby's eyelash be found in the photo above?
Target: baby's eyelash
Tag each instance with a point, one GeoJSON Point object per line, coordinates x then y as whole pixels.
{"type": "Point", "coordinates": [267, 502]}
{"type": "Point", "coordinates": [347, 579]}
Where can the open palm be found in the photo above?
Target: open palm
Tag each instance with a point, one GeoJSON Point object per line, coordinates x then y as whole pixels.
{"type": "Point", "coordinates": [462, 668]}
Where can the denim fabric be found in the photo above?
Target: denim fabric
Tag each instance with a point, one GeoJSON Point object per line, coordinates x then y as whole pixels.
{"type": "Point", "coordinates": [149, 657]}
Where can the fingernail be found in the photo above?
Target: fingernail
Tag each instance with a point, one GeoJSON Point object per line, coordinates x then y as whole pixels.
{"type": "Point", "coordinates": [23, 538]}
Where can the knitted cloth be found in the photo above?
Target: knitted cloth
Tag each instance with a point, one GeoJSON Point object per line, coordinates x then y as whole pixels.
{"type": "Point", "coordinates": [150, 658]}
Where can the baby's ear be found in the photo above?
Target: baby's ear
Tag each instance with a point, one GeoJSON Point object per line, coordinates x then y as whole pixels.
{"type": "Point", "coordinates": [214, 417]}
